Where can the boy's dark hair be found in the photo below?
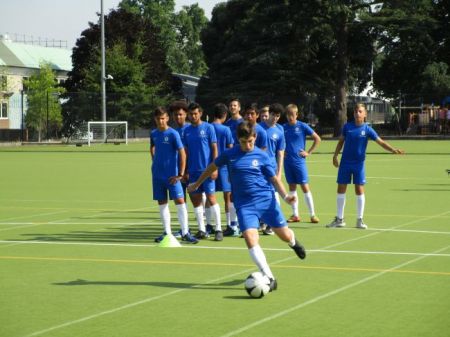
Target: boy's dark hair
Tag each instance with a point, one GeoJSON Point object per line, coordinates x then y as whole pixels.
{"type": "Point", "coordinates": [177, 105]}
{"type": "Point", "coordinates": [276, 108]}
{"type": "Point", "coordinates": [194, 106]}
{"type": "Point", "coordinates": [233, 99]}
{"type": "Point", "coordinates": [251, 106]}
{"type": "Point", "coordinates": [159, 111]}
{"type": "Point", "coordinates": [220, 110]}
{"type": "Point", "coordinates": [245, 130]}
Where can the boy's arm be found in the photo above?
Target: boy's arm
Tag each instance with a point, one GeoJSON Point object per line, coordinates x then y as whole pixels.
{"type": "Point", "coordinates": [206, 173]}
{"type": "Point", "coordinates": [181, 166]}
{"type": "Point", "coordinates": [276, 182]}
{"type": "Point", "coordinates": [280, 159]}
{"type": "Point", "coordinates": [388, 147]}
{"type": "Point", "coordinates": [338, 149]}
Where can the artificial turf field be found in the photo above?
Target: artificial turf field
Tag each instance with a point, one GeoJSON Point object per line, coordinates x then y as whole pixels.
{"type": "Point", "coordinates": [77, 255]}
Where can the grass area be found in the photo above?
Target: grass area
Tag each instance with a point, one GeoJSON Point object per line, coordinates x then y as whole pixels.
{"type": "Point", "coordinates": [78, 258]}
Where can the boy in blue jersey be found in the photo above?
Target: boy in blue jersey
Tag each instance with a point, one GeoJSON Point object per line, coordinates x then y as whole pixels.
{"type": "Point", "coordinates": [251, 114]}
{"type": "Point", "coordinates": [168, 166]}
{"type": "Point", "coordinates": [201, 148]}
{"type": "Point", "coordinates": [235, 111]}
{"type": "Point", "coordinates": [250, 171]}
{"type": "Point", "coordinates": [354, 139]}
{"type": "Point", "coordinates": [295, 156]}
{"type": "Point", "coordinates": [276, 144]}
{"type": "Point", "coordinates": [224, 141]}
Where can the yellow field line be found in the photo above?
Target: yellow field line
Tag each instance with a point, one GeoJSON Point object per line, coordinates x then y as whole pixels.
{"type": "Point", "coordinates": [217, 264]}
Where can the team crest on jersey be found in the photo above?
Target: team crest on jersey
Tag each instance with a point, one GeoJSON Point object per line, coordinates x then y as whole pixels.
{"type": "Point", "coordinates": [202, 133]}
{"type": "Point", "coordinates": [274, 136]}
{"type": "Point", "coordinates": [166, 139]}
{"type": "Point", "coordinates": [297, 129]}
{"type": "Point", "coordinates": [255, 163]}
{"type": "Point", "coordinates": [363, 133]}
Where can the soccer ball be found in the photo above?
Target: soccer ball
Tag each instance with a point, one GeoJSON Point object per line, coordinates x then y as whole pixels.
{"type": "Point", "coordinates": [257, 285]}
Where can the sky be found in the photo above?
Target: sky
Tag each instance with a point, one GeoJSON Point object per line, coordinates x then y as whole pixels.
{"type": "Point", "coordinates": [63, 19]}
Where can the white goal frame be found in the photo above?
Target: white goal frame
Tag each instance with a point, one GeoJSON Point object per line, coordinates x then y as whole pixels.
{"type": "Point", "coordinates": [91, 136]}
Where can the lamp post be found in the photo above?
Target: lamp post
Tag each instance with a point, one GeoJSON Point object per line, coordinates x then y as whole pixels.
{"type": "Point", "coordinates": [103, 77]}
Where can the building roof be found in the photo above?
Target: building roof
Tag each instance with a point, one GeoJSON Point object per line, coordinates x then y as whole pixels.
{"type": "Point", "coordinates": [15, 54]}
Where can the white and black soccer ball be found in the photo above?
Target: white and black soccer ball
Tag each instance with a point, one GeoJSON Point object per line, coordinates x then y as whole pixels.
{"type": "Point", "coordinates": [257, 284]}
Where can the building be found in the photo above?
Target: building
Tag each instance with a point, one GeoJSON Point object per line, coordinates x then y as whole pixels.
{"type": "Point", "coordinates": [18, 61]}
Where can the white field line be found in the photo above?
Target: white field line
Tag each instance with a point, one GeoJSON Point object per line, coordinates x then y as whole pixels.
{"type": "Point", "coordinates": [326, 295]}
{"type": "Point", "coordinates": [324, 251]}
{"type": "Point", "coordinates": [381, 178]}
{"type": "Point", "coordinates": [131, 305]}
{"type": "Point", "coordinates": [228, 276]}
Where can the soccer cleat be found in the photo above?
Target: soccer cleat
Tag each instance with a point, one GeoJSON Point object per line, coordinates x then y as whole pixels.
{"type": "Point", "coordinates": [231, 232]}
{"type": "Point", "coordinates": [210, 229]}
{"type": "Point", "coordinates": [336, 223]}
{"type": "Point", "coordinates": [201, 235]}
{"type": "Point", "coordinates": [273, 284]}
{"type": "Point", "coordinates": [293, 218]}
{"type": "Point", "coordinates": [299, 249]}
{"type": "Point", "coordinates": [360, 224]}
{"type": "Point", "coordinates": [189, 238]}
{"type": "Point", "coordinates": [218, 236]}
{"type": "Point", "coordinates": [178, 234]}
{"type": "Point", "coordinates": [268, 231]}
{"type": "Point", "coordinates": [314, 219]}
{"type": "Point", "coordinates": [160, 238]}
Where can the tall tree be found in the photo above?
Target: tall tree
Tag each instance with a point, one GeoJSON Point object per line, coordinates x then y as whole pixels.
{"type": "Point", "coordinates": [288, 51]}
{"type": "Point", "coordinates": [136, 61]}
{"type": "Point", "coordinates": [189, 23]}
{"type": "Point", "coordinates": [44, 108]}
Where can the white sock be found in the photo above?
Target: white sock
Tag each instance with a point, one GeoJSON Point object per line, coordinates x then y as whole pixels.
{"type": "Point", "coordinates": [360, 203]}
{"type": "Point", "coordinates": [340, 201]}
{"type": "Point", "coordinates": [208, 215]}
{"type": "Point", "coordinates": [309, 203]}
{"type": "Point", "coordinates": [233, 215]}
{"type": "Point", "coordinates": [295, 204]}
{"type": "Point", "coordinates": [292, 242]}
{"type": "Point", "coordinates": [198, 211]}
{"type": "Point", "coordinates": [227, 215]}
{"type": "Point", "coordinates": [215, 210]}
{"type": "Point", "coordinates": [164, 213]}
{"type": "Point", "coordinates": [258, 257]}
{"type": "Point", "coordinates": [183, 218]}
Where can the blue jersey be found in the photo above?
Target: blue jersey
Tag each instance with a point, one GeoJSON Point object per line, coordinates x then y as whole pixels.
{"type": "Point", "coordinates": [224, 137]}
{"type": "Point", "coordinates": [249, 174]}
{"type": "Point", "coordinates": [197, 141]}
{"type": "Point", "coordinates": [165, 159]}
{"type": "Point", "coordinates": [233, 124]}
{"type": "Point", "coordinates": [295, 136]}
{"type": "Point", "coordinates": [261, 136]}
{"type": "Point", "coordinates": [182, 129]}
{"type": "Point", "coordinates": [275, 140]}
{"type": "Point", "coordinates": [356, 139]}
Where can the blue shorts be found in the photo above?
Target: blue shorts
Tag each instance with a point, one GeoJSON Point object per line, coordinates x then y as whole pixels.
{"type": "Point", "coordinates": [296, 173]}
{"type": "Point", "coordinates": [161, 186]}
{"type": "Point", "coordinates": [348, 170]}
{"type": "Point", "coordinates": [208, 186]}
{"type": "Point", "coordinates": [265, 209]}
{"type": "Point", "coordinates": [223, 181]}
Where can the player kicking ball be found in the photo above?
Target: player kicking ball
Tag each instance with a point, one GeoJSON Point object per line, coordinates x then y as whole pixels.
{"type": "Point", "coordinates": [250, 170]}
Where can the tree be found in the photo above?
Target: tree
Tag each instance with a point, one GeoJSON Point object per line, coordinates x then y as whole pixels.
{"type": "Point", "coordinates": [136, 61]}
{"type": "Point", "coordinates": [44, 109]}
{"type": "Point", "coordinates": [414, 53]}
{"type": "Point", "coordinates": [189, 23]}
{"type": "Point", "coordinates": [290, 51]}
{"type": "Point", "coordinates": [178, 34]}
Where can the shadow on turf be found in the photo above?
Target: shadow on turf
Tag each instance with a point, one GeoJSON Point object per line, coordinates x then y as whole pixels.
{"type": "Point", "coordinates": [177, 285]}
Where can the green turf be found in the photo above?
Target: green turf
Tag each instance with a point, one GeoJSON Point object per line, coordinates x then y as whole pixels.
{"type": "Point", "coordinates": [78, 259]}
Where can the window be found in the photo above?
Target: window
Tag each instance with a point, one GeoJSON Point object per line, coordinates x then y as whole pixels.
{"type": "Point", "coordinates": [4, 110]}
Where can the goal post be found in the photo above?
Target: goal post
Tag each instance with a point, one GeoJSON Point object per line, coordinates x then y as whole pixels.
{"type": "Point", "coordinates": [107, 132]}
{"type": "Point", "coordinates": [100, 132]}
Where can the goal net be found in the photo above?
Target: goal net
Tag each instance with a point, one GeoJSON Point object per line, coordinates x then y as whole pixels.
{"type": "Point", "coordinates": [101, 132]}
